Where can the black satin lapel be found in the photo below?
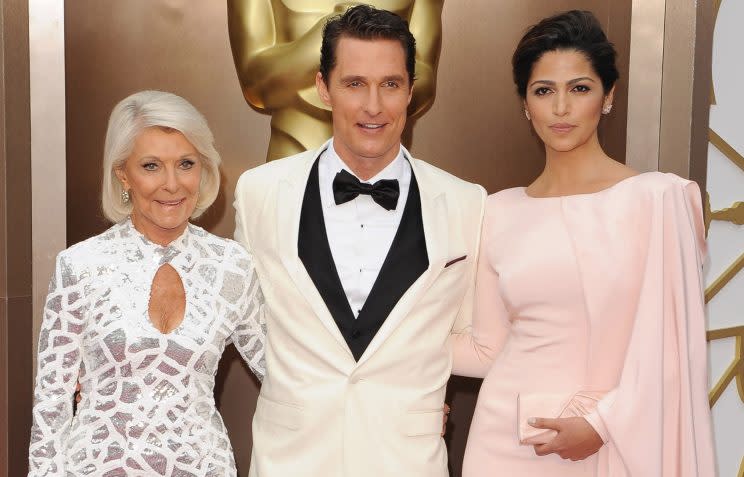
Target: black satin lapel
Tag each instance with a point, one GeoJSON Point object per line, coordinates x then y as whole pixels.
{"type": "Point", "coordinates": [315, 253]}
{"type": "Point", "coordinates": [406, 260]}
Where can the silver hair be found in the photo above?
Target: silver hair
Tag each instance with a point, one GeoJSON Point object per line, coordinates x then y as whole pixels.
{"type": "Point", "coordinates": [147, 109]}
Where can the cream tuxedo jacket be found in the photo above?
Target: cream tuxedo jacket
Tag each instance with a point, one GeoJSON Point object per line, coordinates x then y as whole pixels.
{"type": "Point", "coordinates": [321, 413]}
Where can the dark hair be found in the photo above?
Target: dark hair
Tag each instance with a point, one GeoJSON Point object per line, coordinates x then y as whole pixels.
{"type": "Point", "coordinates": [365, 22]}
{"type": "Point", "coordinates": [573, 30]}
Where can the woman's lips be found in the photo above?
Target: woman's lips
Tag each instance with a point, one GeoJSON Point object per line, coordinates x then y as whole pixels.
{"type": "Point", "coordinates": [562, 128]}
{"type": "Point", "coordinates": [170, 203]}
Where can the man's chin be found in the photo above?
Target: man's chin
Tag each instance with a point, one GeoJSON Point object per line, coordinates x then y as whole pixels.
{"type": "Point", "coordinates": [377, 152]}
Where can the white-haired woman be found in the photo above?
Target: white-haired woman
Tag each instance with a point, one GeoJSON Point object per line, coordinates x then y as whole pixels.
{"type": "Point", "coordinates": [140, 314]}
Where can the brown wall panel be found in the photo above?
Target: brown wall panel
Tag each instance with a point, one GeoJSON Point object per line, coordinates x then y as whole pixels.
{"type": "Point", "coordinates": [3, 195]}
{"type": "Point", "coordinates": [3, 386]}
{"type": "Point", "coordinates": [474, 129]}
{"type": "Point", "coordinates": [15, 239]}
{"type": "Point", "coordinates": [16, 132]}
{"type": "Point", "coordinates": [20, 383]}
{"type": "Point", "coordinates": [702, 73]}
{"type": "Point", "coordinates": [613, 128]}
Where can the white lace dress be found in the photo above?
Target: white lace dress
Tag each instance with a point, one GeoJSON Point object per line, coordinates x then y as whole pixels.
{"type": "Point", "coordinates": [148, 403]}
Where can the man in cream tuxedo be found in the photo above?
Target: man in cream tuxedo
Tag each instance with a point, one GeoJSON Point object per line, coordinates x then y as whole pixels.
{"type": "Point", "coordinates": [366, 257]}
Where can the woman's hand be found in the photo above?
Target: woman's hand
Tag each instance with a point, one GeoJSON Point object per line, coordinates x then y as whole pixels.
{"type": "Point", "coordinates": [576, 439]}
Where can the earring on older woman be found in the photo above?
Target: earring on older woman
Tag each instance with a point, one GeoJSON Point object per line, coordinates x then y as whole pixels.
{"type": "Point", "coordinates": [125, 196]}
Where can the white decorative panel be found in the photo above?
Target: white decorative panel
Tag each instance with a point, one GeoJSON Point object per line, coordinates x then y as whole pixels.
{"type": "Point", "coordinates": [725, 271]}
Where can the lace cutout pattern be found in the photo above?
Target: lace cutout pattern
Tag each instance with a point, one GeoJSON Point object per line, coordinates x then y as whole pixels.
{"type": "Point", "coordinates": [148, 403]}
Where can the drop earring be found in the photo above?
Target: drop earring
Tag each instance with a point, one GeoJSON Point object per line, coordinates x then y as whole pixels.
{"type": "Point", "coordinates": [125, 196]}
{"type": "Point", "coordinates": [527, 115]}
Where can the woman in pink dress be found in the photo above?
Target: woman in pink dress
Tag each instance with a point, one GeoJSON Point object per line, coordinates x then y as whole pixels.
{"type": "Point", "coordinates": [588, 325]}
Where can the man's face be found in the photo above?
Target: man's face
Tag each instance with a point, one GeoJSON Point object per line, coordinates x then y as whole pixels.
{"type": "Point", "coordinates": [368, 92]}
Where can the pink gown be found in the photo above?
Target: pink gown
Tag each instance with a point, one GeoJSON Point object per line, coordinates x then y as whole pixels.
{"type": "Point", "coordinates": [600, 292]}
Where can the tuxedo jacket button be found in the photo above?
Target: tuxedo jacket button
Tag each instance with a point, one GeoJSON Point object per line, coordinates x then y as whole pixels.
{"type": "Point", "coordinates": [356, 334]}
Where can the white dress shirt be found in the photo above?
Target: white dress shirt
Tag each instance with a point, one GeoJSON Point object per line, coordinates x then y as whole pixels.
{"type": "Point", "coordinates": [360, 231]}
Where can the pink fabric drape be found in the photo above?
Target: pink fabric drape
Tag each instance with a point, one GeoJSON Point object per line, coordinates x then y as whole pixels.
{"type": "Point", "coordinates": [596, 291]}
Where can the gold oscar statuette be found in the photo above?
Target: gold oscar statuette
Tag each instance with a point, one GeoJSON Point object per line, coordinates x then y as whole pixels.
{"type": "Point", "coordinates": [276, 48]}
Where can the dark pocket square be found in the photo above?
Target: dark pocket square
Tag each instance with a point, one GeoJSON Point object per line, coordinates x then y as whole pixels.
{"type": "Point", "coordinates": [455, 260]}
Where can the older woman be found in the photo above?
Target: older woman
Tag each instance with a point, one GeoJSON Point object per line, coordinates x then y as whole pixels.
{"type": "Point", "coordinates": [589, 326]}
{"type": "Point", "coordinates": [141, 313]}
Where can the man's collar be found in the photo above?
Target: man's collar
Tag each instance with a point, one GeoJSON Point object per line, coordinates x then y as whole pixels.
{"type": "Point", "coordinates": [394, 170]}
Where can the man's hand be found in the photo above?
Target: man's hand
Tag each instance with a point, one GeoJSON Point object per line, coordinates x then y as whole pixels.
{"type": "Point", "coordinates": [576, 439]}
{"type": "Point", "coordinates": [445, 416]}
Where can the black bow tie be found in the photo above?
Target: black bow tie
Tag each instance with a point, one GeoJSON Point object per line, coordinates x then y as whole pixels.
{"type": "Point", "coordinates": [347, 187]}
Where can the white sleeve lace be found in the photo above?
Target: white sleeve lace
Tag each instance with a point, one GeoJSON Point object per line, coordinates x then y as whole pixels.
{"type": "Point", "coordinates": [59, 358]}
{"type": "Point", "coordinates": [249, 336]}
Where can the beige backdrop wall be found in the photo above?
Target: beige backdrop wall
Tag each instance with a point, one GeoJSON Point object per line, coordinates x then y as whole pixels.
{"type": "Point", "coordinates": [475, 128]}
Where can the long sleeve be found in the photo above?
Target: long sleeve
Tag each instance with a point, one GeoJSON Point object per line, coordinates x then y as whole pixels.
{"type": "Point", "coordinates": [59, 361]}
{"type": "Point", "coordinates": [475, 346]}
{"type": "Point", "coordinates": [657, 419]}
{"type": "Point", "coordinates": [249, 336]}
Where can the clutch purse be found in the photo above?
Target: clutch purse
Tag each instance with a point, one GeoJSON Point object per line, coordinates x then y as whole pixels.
{"type": "Point", "coordinates": [547, 404]}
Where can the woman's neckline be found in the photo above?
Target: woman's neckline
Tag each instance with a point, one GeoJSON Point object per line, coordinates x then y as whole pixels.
{"type": "Point", "coordinates": [177, 242]}
{"type": "Point", "coordinates": [584, 194]}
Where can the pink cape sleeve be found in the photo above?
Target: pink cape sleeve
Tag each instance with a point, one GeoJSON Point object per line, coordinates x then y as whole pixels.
{"type": "Point", "coordinates": [657, 420]}
{"type": "Point", "coordinates": [475, 346]}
